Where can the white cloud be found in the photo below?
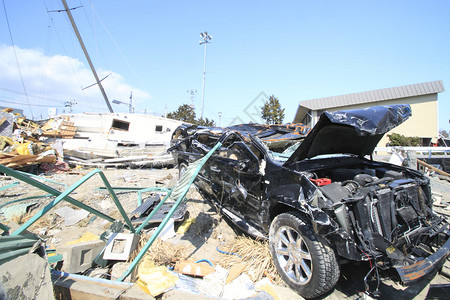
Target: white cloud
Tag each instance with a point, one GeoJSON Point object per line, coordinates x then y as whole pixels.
{"type": "Point", "coordinates": [51, 80]}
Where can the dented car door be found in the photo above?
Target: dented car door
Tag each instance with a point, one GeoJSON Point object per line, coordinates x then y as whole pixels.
{"type": "Point", "coordinates": [235, 172]}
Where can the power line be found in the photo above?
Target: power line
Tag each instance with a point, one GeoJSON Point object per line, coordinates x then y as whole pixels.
{"type": "Point", "coordinates": [22, 94]}
{"type": "Point", "coordinates": [117, 46]}
{"type": "Point", "coordinates": [15, 55]}
{"type": "Point", "coordinates": [74, 70]}
{"type": "Point", "coordinates": [21, 103]}
{"type": "Point", "coordinates": [75, 29]}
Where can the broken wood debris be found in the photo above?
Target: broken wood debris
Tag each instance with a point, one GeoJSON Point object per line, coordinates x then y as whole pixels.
{"type": "Point", "coordinates": [59, 129]}
{"type": "Point", "coordinates": [20, 145]}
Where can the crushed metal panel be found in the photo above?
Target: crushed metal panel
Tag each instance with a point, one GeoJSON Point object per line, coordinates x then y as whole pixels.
{"type": "Point", "coordinates": [6, 124]}
{"type": "Point", "coordinates": [14, 246]}
{"type": "Point", "coordinates": [413, 272]}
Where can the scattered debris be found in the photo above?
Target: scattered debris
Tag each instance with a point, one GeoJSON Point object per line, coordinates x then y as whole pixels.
{"type": "Point", "coordinates": [95, 140]}
{"type": "Point", "coordinates": [118, 268]}
{"type": "Point", "coordinates": [16, 210]}
{"type": "Point", "coordinates": [70, 215]}
{"type": "Point", "coordinates": [59, 128]}
{"type": "Point", "coordinates": [242, 287]}
{"type": "Point", "coordinates": [193, 268]}
{"type": "Point", "coordinates": [26, 277]}
{"type": "Point", "coordinates": [438, 291]}
{"type": "Point", "coordinates": [249, 273]}
{"type": "Point", "coordinates": [163, 253]}
{"type": "Point", "coordinates": [154, 280]}
{"type": "Point", "coordinates": [120, 246]}
{"type": "Point", "coordinates": [254, 254]}
{"type": "Point", "coordinates": [80, 257]}
{"type": "Point", "coordinates": [440, 172]}
{"type": "Point", "coordinates": [235, 271]}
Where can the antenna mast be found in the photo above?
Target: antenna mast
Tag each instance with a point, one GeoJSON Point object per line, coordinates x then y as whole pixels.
{"type": "Point", "coordinates": [77, 33]}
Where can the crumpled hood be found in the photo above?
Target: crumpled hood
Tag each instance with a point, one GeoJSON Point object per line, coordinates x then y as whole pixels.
{"type": "Point", "coordinates": [351, 131]}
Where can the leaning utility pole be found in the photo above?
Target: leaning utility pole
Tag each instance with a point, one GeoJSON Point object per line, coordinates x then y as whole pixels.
{"type": "Point", "coordinates": [77, 33]}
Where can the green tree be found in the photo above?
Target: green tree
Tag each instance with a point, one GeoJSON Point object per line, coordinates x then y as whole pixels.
{"type": "Point", "coordinates": [272, 112]}
{"type": "Point", "coordinates": [184, 113]}
{"type": "Point", "coordinates": [396, 139]}
{"type": "Point", "coordinates": [206, 122]}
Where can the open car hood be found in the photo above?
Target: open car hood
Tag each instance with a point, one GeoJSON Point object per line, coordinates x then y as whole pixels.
{"type": "Point", "coordinates": [351, 131]}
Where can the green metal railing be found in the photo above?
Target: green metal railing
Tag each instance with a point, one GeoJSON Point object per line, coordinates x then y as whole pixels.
{"type": "Point", "coordinates": [176, 194]}
{"type": "Point", "coordinates": [65, 196]}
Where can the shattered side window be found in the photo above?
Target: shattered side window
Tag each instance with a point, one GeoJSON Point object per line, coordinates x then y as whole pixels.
{"type": "Point", "coordinates": [278, 158]}
{"type": "Point", "coordinates": [207, 139]}
{"type": "Point", "coordinates": [245, 156]}
{"type": "Point", "coordinates": [283, 157]}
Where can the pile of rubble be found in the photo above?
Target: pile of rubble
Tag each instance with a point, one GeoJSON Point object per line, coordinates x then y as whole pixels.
{"type": "Point", "coordinates": [20, 144]}
{"type": "Point", "coordinates": [77, 245]}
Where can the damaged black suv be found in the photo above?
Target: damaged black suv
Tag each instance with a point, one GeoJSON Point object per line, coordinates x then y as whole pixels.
{"type": "Point", "coordinates": [324, 200]}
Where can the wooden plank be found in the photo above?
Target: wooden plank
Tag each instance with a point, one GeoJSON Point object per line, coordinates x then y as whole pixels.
{"type": "Point", "coordinates": [46, 159]}
{"type": "Point", "coordinates": [420, 162]}
{"type": "Point", "coordinates": [23, 157]}
{"type": "Point", "coordinates": [234, 272]}
{"type": "Point", "coordinates": [21, 162]}
{"type": "Point", "coordinates": [13, 159]}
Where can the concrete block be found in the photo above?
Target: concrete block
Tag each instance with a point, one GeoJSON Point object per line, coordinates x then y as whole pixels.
{"type": "Point", "coordinates": [119, 268]}
{"type": "Point", "coordinates": [79, 257]}
{"type": "Point", "coordinates": [120, 246]}
{"type": "Point", "coordinates": [26, 277]}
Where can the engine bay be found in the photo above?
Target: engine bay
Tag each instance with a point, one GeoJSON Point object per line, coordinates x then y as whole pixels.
{"type": "Point", "coordinates": [379, 208]}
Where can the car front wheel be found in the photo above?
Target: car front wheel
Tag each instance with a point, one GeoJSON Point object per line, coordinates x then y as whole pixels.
{"type": "Point", "coordinates": [307, 264]}
{"type": "Point", "coordinates": [182, 167]}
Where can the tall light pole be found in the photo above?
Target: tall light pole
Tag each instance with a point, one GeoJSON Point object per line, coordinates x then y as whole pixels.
{"type": "Point", "coordinates": [205, 40]}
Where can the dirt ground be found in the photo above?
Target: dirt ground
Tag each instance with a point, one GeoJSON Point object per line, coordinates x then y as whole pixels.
{"type": "Point", "coordinates": [208, 232]}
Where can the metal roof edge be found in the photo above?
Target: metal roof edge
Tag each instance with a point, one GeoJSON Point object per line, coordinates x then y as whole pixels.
{"type": "Point", "coordinates": [410, 90]}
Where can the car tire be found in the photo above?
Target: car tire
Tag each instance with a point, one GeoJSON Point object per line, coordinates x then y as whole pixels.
{"type": "Point", "coordinates": [182, 167]}
{"type": "Point", "coordinates": [304, 261]}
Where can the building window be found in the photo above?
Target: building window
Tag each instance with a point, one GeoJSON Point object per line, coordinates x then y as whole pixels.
{"type": "Point", "coordinates": [159, 128]}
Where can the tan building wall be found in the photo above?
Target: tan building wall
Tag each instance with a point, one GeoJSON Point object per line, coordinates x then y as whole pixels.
{"type": "Point", "coordinates": [424, 120]}
{"type": "Point", "coordinates": [422, 97]}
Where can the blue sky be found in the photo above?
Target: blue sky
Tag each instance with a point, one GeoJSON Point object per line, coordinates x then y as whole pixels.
{"type": "Point", "coordinates": [295, 50]}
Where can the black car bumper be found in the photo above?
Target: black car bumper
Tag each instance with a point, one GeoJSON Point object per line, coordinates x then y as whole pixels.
{"type": "Point", "coordinates": [411, 273]}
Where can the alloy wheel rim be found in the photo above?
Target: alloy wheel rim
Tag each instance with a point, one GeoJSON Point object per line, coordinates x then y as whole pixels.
{"type": "Point", "coordinates": [293, 255]}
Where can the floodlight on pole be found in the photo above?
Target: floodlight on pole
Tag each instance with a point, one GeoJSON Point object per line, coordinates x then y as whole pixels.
{"type": "Point", "coordinates": [130, 105]}
{"type": "Point", "coordinates": [206, 38]}
{"type": "Point", "coordinates": [192, 93]}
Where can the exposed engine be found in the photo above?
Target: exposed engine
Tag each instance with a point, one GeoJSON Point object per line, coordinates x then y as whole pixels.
{"type": "Point", "coordinates": [387, 214]}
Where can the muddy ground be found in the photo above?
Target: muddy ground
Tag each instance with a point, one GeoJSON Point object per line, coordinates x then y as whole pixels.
{"type": "Point", "coordinates": [208, 232]}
